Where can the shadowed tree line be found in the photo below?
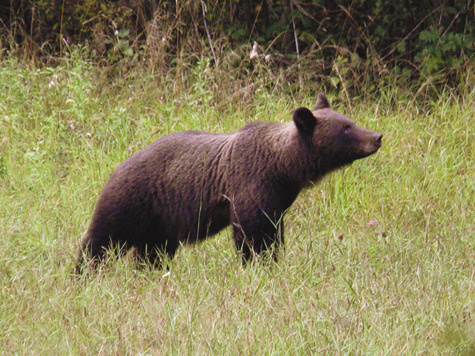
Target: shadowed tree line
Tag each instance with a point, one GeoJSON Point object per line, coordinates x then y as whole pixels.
{"type": "Point", "coordinates": [419, 37]}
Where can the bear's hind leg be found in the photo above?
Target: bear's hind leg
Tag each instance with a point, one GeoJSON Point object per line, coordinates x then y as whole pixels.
{"type": "Point", "coordinates": [93, 250]}
{"type": "Point", "coordinates": [153, 254]}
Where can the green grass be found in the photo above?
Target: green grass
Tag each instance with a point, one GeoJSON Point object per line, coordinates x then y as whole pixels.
{"type": "Point", "coordinates": [403, 286]}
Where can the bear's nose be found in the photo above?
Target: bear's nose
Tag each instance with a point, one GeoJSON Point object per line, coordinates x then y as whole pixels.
{"type": "Point", "coordinates": [379, 137]}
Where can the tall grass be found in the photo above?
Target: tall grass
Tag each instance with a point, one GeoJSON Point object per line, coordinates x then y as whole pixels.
{"type": "Point", "coordinates": [379, 257]}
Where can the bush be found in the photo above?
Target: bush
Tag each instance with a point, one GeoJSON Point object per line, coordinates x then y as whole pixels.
{"type": "Point", "coordinates": [425, 41]}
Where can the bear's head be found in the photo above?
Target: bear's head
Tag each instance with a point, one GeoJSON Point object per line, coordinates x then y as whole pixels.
{"type": "Point", "coordinates": [331, 138]}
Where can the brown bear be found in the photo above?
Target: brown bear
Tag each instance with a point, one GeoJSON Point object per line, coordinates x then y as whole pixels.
{"type": "Point", "coordinates": [190, 185]}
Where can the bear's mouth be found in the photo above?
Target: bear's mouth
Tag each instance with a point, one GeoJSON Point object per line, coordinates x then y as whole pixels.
{"type": "Point", "coordinates": [371, 147]}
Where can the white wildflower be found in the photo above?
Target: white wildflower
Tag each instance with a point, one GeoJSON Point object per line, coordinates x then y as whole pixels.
{"type": "Point", "coordinates": [254, 53]}
{"type": "Point", "coordinates": [53, 82]}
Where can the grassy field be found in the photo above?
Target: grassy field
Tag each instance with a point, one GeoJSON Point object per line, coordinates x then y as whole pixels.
{"type": "Point", "coordinates": [379, 259]}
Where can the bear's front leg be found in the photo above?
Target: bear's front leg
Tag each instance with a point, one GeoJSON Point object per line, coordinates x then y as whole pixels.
{"type": "Point", "coordinates": [258, 233]}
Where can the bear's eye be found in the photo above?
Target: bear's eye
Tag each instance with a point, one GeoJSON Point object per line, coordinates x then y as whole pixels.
{"type": "Point", "coordinates": [347, 130]}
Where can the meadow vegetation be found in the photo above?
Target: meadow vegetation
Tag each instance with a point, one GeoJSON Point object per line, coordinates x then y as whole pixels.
{"type": "Point", "coordinates": [379, 258]}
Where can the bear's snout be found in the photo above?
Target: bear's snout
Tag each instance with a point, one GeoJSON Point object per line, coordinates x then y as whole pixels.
{"type": "Point", "coordinates": [372, 142]}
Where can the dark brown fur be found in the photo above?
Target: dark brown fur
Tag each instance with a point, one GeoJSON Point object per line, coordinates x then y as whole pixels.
{"type": "Point", "coordinates": [190, 185]}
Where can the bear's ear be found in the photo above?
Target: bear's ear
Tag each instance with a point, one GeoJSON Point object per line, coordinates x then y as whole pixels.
{"type": "Point", "coordinates": [322, 102]}
{"type": "Point", "coordinates": [304, 120]}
